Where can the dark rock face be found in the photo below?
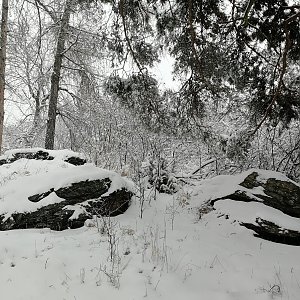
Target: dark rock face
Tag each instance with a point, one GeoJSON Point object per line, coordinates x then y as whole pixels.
{"type": "Point", "coordinates": [52, 216]}
{"type": "Point", "coordinates": [39, 197]}
{"type": "Point", "coordinates": [279, 194]}
{"type": "Point", "coordinates": [41, 155]}
{"type": "Point", "coordinates": [282, 195]}
{"type": "Point", "coordinates": [84, 190]}
{"type": "Point", "coordinates": [110, 205]}
{"type": "Point", "coordinates": [57, 217]}
{"type": "Point", "coordinates": [76, 161]}
{"type": "Point", "coordinates": [272, 232]}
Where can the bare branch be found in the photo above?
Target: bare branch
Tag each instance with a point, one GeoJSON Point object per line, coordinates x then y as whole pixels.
{"type": "Point", "coordinates": [48, 11]}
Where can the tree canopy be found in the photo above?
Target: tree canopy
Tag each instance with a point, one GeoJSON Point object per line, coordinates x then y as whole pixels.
{"type": "Point", "coordinates": [221, 49]}
{"type": "Point", "coordinates": [230, 55]}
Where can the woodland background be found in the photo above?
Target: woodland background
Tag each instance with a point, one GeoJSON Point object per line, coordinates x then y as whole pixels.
{"type": "Point", "coordinates": [81, 75]}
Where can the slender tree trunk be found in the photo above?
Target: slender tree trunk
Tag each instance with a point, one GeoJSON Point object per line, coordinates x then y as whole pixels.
{"type": "Point", "coordinates": [36, 121]}
{"type": "Point", "coordinates": [55, 77]}
{"type": "Point", "coordinates": [3, 43]}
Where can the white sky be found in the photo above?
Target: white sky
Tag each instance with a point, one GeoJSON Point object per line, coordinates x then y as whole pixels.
{"type": "Point", "coordinates": [163, 71]}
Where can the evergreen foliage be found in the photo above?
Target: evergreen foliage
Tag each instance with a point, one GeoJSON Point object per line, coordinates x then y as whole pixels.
{"type": "Point", "coordinates": [223, 48]}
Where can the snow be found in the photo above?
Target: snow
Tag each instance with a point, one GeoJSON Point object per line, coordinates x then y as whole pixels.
{"type": "Point", "coordinates": [248, 212]}
{"type": "Point", "coordinates": [263, 175]}
{"type": "Point", "coordinates": [170, 253]}
{"type": "Point", "coordinates": [204, 259]}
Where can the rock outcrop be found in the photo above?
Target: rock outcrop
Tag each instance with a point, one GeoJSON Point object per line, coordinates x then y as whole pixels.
{"type": "Point", "coordinates": [276, 192]}
{"type": "Point", "coordinates": [63, 196]}
{"type": "Point", "coordinates": [80, 201]}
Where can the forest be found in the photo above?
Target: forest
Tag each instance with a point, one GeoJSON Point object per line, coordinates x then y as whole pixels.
{"type": "Point", "coordinates": [165, 133]}
{"type": "Point", "coordinates": [81, 75]}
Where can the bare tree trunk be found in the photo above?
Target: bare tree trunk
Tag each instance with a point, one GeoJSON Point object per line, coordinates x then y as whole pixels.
{"type": "Point", "coordinates": [55, 77]}
{"type": "Point", "coordinates": [3, 43]}
{"type": "Point", "coordinates": [36, 120]}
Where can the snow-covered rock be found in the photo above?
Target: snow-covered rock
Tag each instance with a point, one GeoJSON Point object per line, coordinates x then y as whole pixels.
{"type": "Point", "coordinates": [56, 194]}
{"type": "Point", "coordinates": [69, 156]}
{"type": "Point", "coordinates": [264, 201]}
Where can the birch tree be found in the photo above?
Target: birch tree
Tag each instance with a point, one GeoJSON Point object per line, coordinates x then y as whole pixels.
{"type": "Point", "coordinates": [3, 43]}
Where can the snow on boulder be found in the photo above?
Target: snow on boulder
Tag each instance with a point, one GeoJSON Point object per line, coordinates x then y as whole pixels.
{"type": "Point", "coordinates": [266, 202]}
{"type": "Point", "coordinates": [56, 194]}
{"type": "Point", "coordinates": [69, 156]}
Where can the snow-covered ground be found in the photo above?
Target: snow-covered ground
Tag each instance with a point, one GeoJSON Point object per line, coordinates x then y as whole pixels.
{"type": "Point", "coordinates": [175, 251]}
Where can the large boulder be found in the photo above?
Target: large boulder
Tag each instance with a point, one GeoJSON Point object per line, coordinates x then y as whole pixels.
{"type": "Point", "coordinates": [58, 195]}
{"type": "Point", "coordinates": [266, 202]}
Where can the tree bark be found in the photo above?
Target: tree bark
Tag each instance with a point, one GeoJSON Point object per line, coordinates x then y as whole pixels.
{"type": "Point", "coordinates": [3, 43]}
{"type": "Point", "coordinates": [55, 77]}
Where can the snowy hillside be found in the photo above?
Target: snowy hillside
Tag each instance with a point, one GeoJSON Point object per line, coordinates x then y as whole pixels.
{"type": "Point", "coordinates": [179, 249]}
